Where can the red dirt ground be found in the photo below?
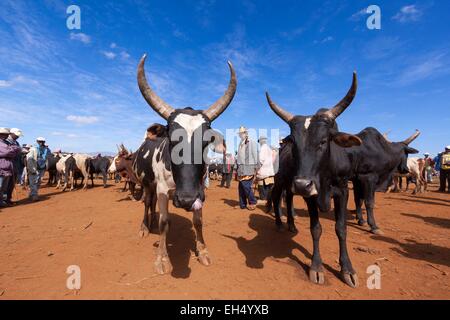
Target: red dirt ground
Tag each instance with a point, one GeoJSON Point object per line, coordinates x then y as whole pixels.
{"type": "Point", "coordinates": [97, 230]}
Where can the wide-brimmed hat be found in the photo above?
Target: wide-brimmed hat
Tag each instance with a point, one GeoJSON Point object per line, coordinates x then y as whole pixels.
{"type": "Point", "coordinates": [16, 131]}
{"type": "Point", "coordinates": [426, 154]}
{"type": "Point", "coordinates": [447, 148]}
{"type": "Point", "coordinates": [262, 138]}
{"type": "Point", "coordinates": [242, 129]}
{"type": "Point", "coordinates": [4, 131]}
{"type": "Point", "coordinates": [40, 139]}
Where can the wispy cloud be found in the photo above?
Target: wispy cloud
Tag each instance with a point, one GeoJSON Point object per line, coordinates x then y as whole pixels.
{"type": "Point", "coordinates": [324, 40]}
{"type": "Point", "coordinates": [357, 16]}
{"type": "Point", "coordinates": [433, 64]}
{"type": "Point", "coordinates": [18, 80]}
{"type": "Point", "coordinates": [109, 54]}
{"type": "Point", "coordinates": [408, 13]}
{"type": "Point", "coordinates": [82, 37]}
{"type": "Point", "coordinates": [82, 119]}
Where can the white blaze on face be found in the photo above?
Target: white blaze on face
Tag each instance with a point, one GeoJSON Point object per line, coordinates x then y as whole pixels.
{"type": "Point", "coordinates": [307, 123]}
{"type": "Point", "coordinates": [189, 123]}
{"type": "Point", "coordinates": [197, 205]}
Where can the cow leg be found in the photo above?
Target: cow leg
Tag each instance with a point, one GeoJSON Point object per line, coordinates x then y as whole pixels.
{"type": "Point", "coordinates": [276, 197]}
{"type": "Point", "coordinates": [145, 226]}
{"type": "Point", "coordinates": [316, 274]}
{"type": "Point", "coordinates": [162, 262]}
{"type": "Point", "coordinates": [358, 196]}
{"type": "Point", "coordinates": [340, 211]}
{"type": "Point", "coordinates": [202, 252]}
{"type": "Point", "coordinates": [105, 178]}
{"type": "Point", "coordinates": [369, 201]}
{"type": "Point", "coordinates": [290, 212]}
{"type": "Point", "coordinates": [154, 215]}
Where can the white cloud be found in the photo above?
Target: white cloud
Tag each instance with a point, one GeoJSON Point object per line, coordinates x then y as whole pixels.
{"type": "Point", "coordinates": [124, 55]}
{"type": "Point", "coordinates": [113, 45]}
{"type": "Point", "coordinates": [80, 37]}
{"type": "Point", "coordinates": [358, 15]}
{"type": "Point", "coordinates": [407, 14]}
{"type": "Point", "coordinates": [82, 119]}
{"type": "Point", "coordinates": [18, 80]}
{"type": "Point", "coordinates": [108, 54]}
{"type": "Point", "coordinates": [324, 40]}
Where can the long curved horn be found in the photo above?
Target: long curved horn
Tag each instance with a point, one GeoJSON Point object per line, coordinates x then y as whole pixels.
{"type": "Point", "coordinates": [283, 114]}
{"type": "Point", "coordinates": [346, 101]}
{"type": "Point", "coordinates": [412, 138]}
{"type": "Point", "coordinates": [385, 135]}
{"type": "Point", "coordinates": [157, 104]}
{"type": "Point", "coordinates": [220, 105]}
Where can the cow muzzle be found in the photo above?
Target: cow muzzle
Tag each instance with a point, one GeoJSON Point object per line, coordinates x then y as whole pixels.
{"type": "Point", "coordinates": [304, 187]}
{"type": "Point", "coordinates": [186, 201]}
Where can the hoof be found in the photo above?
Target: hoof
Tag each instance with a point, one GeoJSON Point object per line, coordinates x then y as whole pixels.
{"type": "Point", "coordinates": [316, 277]}
{"type": "Point", "coordinates": [377, 231]}
{"type": "Point", "coordinates": [163, 265]}
{"type": "Point", "coordinates": [292, 229]}
{"type": "Point", "coordinates": [204, 259]}
{"type": "Point", "coordinates": [144, 231]}
{"type": "Point", "coordinates": [362, 222]}
{"type": "Point", "coordinates": [351, 279]}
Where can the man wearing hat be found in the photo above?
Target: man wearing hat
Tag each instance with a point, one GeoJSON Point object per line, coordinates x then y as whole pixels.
{"type": "Point", "coordinates": [18, 165]}
{"type": "Point", "coordinates": [266, 171]}
{"type": "Point", "coordinates": [428, 165]}
{"type": "Point", "coordinates": [227, 169]}
{"type": "Point", "coordinates": [36, 165]}
{"type": "Point", "coordinates": [7, 154]}
{"type": "Point", "coordinates": [444, 174]}
{"type": "Point", "coordinates": [247, 164]}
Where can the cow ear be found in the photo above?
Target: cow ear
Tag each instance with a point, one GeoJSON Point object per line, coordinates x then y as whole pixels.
{"type": "Point", "coordinates": [410, 150]}
{"type": "Point", "coordinates": [346, 140]}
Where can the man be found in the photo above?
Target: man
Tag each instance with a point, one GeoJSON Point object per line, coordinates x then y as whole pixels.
{"type": "Point", "coordinates": [428, 167]}
{"type": "Point", "coordinates": [24, 177]}
{"type": "Point", "coordinates": [247, 162]}
{"type": "Point", "coordinates": [265, 175]}
{"type": "Point", "coordinates": [8, 153]}
{"type": "Point", "coordinates": [227, 170]}
{"type": "Point", "coordinates": [36, 165]}
{"type": "Point", "coordinates": [444, 175]}
{"type": "Point", "coordinates": [14, 135]}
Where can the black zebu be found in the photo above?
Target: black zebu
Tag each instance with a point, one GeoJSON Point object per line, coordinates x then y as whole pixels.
{"type": "Point", "coordinates": [98, 165]}
{"type": "Point", "coordinates": [52, 160]}
{"type": "Point", "coordinates": [373, 165]}
{"type": "Point", "coordinates": [156, 166]}
{"type": "Point", "coordinates": [313, 164]}
{"type": "Point", "coordinates": [317, 162]}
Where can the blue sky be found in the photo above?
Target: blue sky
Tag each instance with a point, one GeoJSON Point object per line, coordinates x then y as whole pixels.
{"type": "Point", "coordinates": [78, 87]}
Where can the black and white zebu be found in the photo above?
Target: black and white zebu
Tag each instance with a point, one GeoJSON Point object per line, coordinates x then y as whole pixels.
{"type": "Point", "coordinates": [158, 165]}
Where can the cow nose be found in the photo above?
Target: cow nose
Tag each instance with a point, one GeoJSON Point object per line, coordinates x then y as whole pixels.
{"type": "Point", "coordinates": [304, 187]}
{"type": "Point", "coordinates": [184, 200]}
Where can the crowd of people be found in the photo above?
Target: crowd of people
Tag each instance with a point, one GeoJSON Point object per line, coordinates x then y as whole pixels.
{"type": "Point", "coordinates": [20, 164]}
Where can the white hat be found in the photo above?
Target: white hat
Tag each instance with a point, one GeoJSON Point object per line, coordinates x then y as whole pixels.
{"type": "Point", "coordinates": [447, 147]}
{"type": "Point", "coordinates": [16, 131]}
{"type": "Point", "coordinates": [4, 131]}
{"type": "Point", "coordinates": [40, 139]}
{"type": "Point", "coordinates": [426, 154]}
{"type": "Point", "coordinates": [242, 129]}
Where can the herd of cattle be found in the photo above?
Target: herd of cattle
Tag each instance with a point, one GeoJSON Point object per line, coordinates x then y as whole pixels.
{"type": "Point", "coordinates": [317, 162]}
